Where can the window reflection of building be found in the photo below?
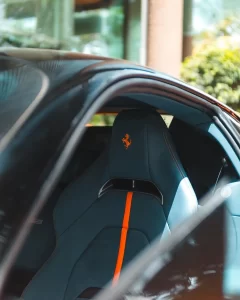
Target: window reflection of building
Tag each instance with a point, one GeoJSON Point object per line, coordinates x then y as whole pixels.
{"type": "Point", "coordinates": [118, 28]}
{"type": "Point", "coordinates": [144, 31]}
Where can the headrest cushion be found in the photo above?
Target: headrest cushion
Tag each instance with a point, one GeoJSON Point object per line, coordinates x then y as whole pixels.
{"type": "Point", "coordinates": [141, 148]}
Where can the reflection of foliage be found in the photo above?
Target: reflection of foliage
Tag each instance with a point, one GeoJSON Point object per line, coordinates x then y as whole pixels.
{"type": "Point", "coordinates": [115, 24]}
{"type": "Point", "coordinates": [114, 38]}
{"type": "Point", "coordinates": [225, 34]}
{"type": "Point", "coordinates": [116, 20]}
{"type": "Point", "coordinates": [227, 27]}
{"type": "Point", "coordinates": [217, 72]}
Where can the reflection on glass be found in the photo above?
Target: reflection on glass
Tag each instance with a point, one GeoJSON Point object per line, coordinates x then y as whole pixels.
{"type": "Point", "coordinates": [196, 267]}
{"type": "Point", "coordinates": [104, 27]}
{"type": "Point", "coordinates": [206, 265]}
{"type": "Point", "coordinates": [17, 91]}
{"type": "Point", "coordinates": [203, 263]}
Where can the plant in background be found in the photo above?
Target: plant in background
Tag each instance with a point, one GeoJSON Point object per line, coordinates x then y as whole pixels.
{"type": "Point", "coordinates": [217, 72]}
{"type": "Point", "coordinates": [214, 65]}
{"type": "Point", "coordinates": [102, 120]}
{"type": "Point", "coordinates": [229, 26]}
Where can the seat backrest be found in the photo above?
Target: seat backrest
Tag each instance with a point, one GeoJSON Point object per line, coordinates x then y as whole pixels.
{"type": "Point", "coordinates": [41, 240]}
{"type": "Point", "coordinates": [93, 143]}
{"type": "Point", "coordinates": [136, 188]}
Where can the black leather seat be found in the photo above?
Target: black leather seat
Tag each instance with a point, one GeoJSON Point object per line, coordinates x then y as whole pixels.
{"type": "Point", "coordinates": [141, 162]}
{"type": "Point", "coordinates": [41, 240]}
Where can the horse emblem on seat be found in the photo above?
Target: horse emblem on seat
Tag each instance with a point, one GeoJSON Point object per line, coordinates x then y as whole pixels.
{"type": "Point", "coordinates": [126, 141]}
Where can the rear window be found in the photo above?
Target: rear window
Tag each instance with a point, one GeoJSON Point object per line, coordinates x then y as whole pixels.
{"type": "Point", "coordinates": [107, 119]}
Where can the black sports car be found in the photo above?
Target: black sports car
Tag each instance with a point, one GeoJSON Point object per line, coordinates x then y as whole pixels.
{"type": "Point", "coordinates": [80, 202]}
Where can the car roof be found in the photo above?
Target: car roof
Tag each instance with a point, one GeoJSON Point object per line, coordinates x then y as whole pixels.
{"type": "Point", "coordinates": [83, 63]}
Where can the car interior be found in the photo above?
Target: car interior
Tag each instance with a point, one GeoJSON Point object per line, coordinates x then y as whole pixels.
{"type": "Point", "coordinates": [126, 184]}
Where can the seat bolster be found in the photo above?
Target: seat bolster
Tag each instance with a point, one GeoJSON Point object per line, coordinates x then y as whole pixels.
{"type": "Point", "coordinates": [184, 204]}
{"type": "Point", "coordinates": [80, 195]}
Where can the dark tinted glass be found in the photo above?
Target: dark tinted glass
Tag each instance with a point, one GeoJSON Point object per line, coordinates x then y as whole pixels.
{"type": "Point", "coordinates": [196, 268]}
{"type": "Point", "coordinates": [197, 261]}
{"type": "Point", "coordinates": [20, 86]}
{"type": "Point", "coordinates": [28, 155]}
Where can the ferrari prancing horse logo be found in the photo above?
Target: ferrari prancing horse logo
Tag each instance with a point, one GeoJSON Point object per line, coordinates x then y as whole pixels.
{"type": "Point", "coordinates": [126, 141]}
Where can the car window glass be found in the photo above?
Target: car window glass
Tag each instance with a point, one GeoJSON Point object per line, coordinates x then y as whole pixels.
{"type": "Point", "coordinates": [107, 119]}
{"type": "Point", "coordinates": [196, 270]}
{"type": "Point", "coordinates": [28, 159]}
{"type": "Point", "coordinates": [18, 91]}
{"type": "Point", "coordinates": [203, 265]}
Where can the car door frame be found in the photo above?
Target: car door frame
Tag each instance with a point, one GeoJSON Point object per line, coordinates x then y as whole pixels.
{"type": "Point", "coordinates": [118, 82]}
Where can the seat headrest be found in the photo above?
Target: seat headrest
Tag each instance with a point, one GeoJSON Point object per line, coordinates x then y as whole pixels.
{"type": "Point", "coordinates": [141, 149]}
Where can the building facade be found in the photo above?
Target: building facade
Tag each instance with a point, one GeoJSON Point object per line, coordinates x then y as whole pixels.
{"type": "Point", "coordinates": [157, 33]}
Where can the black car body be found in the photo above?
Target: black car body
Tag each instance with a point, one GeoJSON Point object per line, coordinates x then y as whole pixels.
{"type": "Point", "coordinates": [47, 98]}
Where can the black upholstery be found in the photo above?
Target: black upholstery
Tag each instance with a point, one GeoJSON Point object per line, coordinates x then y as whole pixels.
{"type": "Point", "coordinates": [93, 143]}
{"type": "Point", "coordinates": [88, 226]}
{"type": "Point", "coordinates": [151, 156]}
{"type": "Point", "coordinates": [41, 241]}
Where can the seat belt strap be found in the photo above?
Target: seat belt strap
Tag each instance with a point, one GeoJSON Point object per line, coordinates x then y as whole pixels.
{"type": "Point", "coordinates": [123, 237]}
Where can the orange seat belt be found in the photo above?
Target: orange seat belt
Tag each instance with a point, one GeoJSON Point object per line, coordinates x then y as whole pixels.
{"type": "Point", "coordinates": [123, 238]}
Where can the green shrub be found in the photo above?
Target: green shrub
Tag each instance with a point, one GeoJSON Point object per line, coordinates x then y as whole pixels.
{"type": "Point", "coordinates": [215, 71]}
{"type": "Point", "coordinates": [102, 120]}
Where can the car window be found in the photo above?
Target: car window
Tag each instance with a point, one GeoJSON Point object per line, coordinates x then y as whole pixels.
{"type": "Point", "coordinates": [102, 119]}
{"type": "Point", "coordinates": [28, 158]}
{"type": "Point", "coordinates": [107, 119]}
